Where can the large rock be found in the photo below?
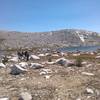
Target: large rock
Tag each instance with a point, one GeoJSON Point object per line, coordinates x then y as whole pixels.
{"type": "Point", "coordinates": [41, 55]}
{"type": "Point", "coordinates": [86, 73]}
{"type": "Point", "coordinates": [65, 62]}
{"type": "Point", "coordinates": [25, 96]}
{"type": "Point", "coordinates": [45, 71]}
{"type": "Point", "coordinates": [97, 57]}
{"type": "Point", "coordinates": [89, 90]}
{"type": "Point", "coordinates": [4, 98]}
{"type": "Point", "coordinates": [34, 57]}
{"type": "Point", "coordinates": [2, 65]}
{"type": "Point", "coordinates": [23, 64]}
{"type": "Point", "coordinates": [36, 65]}
{"type": "Point", "coordinates": [17, 69]}
{"type": "Point", "coordinates": [14, 59]}
{"type": "Point", "coordinates": [49, 63]}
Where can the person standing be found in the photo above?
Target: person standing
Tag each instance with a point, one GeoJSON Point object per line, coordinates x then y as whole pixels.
{"type": "Point", "coordinates": [26, 53]}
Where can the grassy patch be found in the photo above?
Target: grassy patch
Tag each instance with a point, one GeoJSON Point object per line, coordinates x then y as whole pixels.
{"type": "Point", "coordinates": [83, 57]}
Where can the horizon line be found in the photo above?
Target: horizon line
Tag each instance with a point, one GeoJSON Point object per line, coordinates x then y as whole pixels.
{"type": "Point", "coordinates": [48, 30]}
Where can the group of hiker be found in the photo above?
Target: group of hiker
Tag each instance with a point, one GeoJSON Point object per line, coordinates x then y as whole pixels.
{"type": "Point", "coordinates": [23, 55]}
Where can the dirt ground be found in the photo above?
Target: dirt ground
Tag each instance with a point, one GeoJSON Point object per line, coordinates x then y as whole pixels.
{"type": "Point", "coordinates": [64, 83]}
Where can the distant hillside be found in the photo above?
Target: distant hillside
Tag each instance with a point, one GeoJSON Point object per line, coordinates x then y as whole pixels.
{"type": "Point", "coordinates": [66, 37]}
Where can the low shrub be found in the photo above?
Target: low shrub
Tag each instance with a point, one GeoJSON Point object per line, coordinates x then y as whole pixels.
{"type": "Point", "coordinates": [79, 62]}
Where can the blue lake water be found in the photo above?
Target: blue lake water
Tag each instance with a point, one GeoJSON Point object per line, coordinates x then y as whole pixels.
{"type": "Point", "coordinates": [80, 48]}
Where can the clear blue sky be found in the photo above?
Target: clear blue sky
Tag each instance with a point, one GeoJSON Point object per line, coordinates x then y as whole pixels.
{"type": "Point", "coordinates": [46, 15]}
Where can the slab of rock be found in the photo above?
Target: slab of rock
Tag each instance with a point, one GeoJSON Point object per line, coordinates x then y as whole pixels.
{"type": "Point", "coordinates": [84, 63]}
{"type": "Point", "coordinates": [17, 69]}
{"type": "Point", "coordinates": [13, 59]}
{"type": "Point", "coordinates": [64, 62]}
{"type": "Point", "coordinates": [2, 65]}
{"type": "Point", "coordinates": [41, 55]}
{"type": "Point", "coordinates": [55, 55]}
{"type": "Point", "coordinates": [62, 54]}
{"type": "Point", "coordinates": [86, 73]}
{"type": "Point", "coordinates": [50, 63]}
{"type": "Point", "coordinates": [34, 57]}
{"type": "Point", "coordinates": [89, 91]}
{"type": "Point", "coordinates": [47, 77]}
{"type": "Point", "coordinates": [45, 71]}
{"type": "Point", "coordinates": [4, 98]}
{"type": "Point", "coordinates": [47, 54]}
{"type": "Point", "coordinates": [76, 54]}
{"type": "Point", "coordinates": [78, 99]}
{"type": "Point", "coordinates": [88, 65]}
{"type": "Point", "coordinates": [97, 57]}
{"type": "Point", "coordinates": [25, 96]}
{"type": "Point", "coordinates": [36, 65]}
{"type": "Point", "coordinates": [23, 64]}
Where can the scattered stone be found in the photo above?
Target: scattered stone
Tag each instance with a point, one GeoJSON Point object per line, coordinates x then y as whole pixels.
{"type": "Point", "coordinates": [13, 59]}
{"type": "Point", "coordinates": [88, 97]}
{"type": "Point", "coordinates": [34, 57]}
{"type": "Point", "coordinates": [97, 92]}
{"type": "Point", "coordinates": [61, 61]}
{"type": "Point", "coordinates": [2, 65]}
{"type": "Point", "coordinates": [86, 73]}
{"type": "Point", "coordinates": [97, 57]}
{"type": "Point", "coordinates": [50, 63]}
{"type": "Point", "coordinates": [25, 96]}
{"type": "Point", "coordinates": [17, 69]}
{"type": "Point", "coordinates": [78, 99]}
{"type": "Point", "coordinates": [41, 55]}
{"type": "Point", "coordinates": [47, 54]}
{"type": "Point", "coordinates": [55, 55]}
{"type": "Point", "coordinates": [23, 64]}
{"type": "Point", "coordinates": [45, 71]}
{"type": "Point", "coordinates": [98, 54]}
{"type": "Point", "coordinates": [84, 63]}
{"type": "Point", "coordinates": [62, 54]}
{"type": "Point", "coordinates": [22, 79]}
{"type": "Point", "coordinates": [1, 78]}
{"type": "Point", "coordinates": [91, 53]}
{"type": "Point", "coordinates": [47, 77]}
{"type": "Point", "coordinates": [89, 65]}
{"type": "Point", "coordinates": [9, 57]}
{"type": "Point", "coordinates": [4, 98]}
{"type": "Point", "coordinates": [36, 65]}
{"type": "Point", "coordinates": [65, 62]}
{"type": "Point", "coordinates": [89, 91]}
{"type": "Point", "coordinates": [75, 55]}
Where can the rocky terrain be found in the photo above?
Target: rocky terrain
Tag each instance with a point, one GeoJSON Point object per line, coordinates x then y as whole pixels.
{"type": "Point", "coordinates": [51, 76]}
{"type": "Point", "coordinates": [61, 38]}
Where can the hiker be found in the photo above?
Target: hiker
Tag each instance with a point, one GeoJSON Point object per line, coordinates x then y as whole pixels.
{"type": "Point", "coordinates": [26, 54]}
{"type": "Point", "coordinates": [20, 55]}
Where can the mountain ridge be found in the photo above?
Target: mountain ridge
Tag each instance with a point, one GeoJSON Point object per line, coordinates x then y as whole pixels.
{"type": "Point", "coordinates": [58, 38]}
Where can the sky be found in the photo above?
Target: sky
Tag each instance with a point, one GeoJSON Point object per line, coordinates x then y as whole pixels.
{"type": "Point", "coordinates": [49, 15]}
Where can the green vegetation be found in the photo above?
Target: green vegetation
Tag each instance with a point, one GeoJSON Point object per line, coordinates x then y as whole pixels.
{"type": "Point", "coordinates": [79, 62]}
{"type": "Point", "coordinates": [83, 57]}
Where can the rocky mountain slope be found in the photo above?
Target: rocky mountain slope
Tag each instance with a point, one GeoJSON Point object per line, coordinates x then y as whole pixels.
{"type": "Point", "coordinates": [66, 37]}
